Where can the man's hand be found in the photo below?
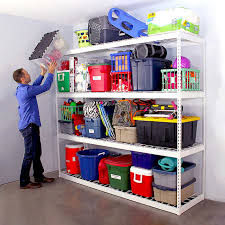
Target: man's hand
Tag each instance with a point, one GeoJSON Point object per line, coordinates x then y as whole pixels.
{"type": "Point", "coordinates": [43, 71]}
{"type": "Point", "coordinates": [52, 66]}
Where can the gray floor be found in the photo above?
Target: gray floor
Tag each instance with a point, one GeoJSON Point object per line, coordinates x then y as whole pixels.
{"type": "Point", "coordinates": [67, 203]}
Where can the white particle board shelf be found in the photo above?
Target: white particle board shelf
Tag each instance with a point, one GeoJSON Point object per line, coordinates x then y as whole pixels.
{"type": "Point", "coordinates": [162, 38]}
{"type": "Point", "coordinates": [134, 94]}
{"type": "Point", "coordinates": [162, 151]}
{"type": "Point", "coordinates": [188, 203]}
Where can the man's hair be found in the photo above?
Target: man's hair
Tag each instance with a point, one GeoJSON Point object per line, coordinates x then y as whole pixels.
{"type": "Point", "coordinates": [18, 74]}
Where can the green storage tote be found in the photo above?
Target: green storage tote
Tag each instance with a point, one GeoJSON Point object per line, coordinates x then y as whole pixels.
{"type": "Point", "coordinates": [63, 81]}
{"type": "Point", "coordinates": [119, 171]}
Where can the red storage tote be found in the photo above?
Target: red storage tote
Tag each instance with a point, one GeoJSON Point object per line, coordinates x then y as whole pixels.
{"type": "Point", "coordinates": [72, 162]}
{"type": "Point", "coordinates": [103, 171]}
{"type": "Point", "coordinates": [141, 181]}
{"type": "Point", "coordinates": [100, 77]}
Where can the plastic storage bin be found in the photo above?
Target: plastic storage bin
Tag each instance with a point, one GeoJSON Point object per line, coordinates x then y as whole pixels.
{"type": "Point", "coordinates": [94, 128]}
{"type": "Point", "coordinates": [101, 31]}
{"type": "Point", "coordinates": [63, 81]}
{"type": "Point", "coordinates": [51, 47]}
{"type": "Point", "coordinates": [66, 127]}
{"type": "Point", "coordinates": [68, 111]}
{"type": "Point", "coordinates": [121, 81]}
{"type": "Point", "coordinates": [169, 195]}
{"type": "Point", "coordinates": [126, 134]}
{"type": "Point", "coordinates": [119, 172]}
{"type": "Point", "coordinates": [190, 80]}
{"type": "Point", "coordinates": [143, 160]}
{"type": "Point", "coordinates": [72, 161]}
{"type": "Point", "coordinates": [169, 179]}
{"type": "Point", "coordinates": [173, 19]}
{"type": "Point", "coordinates": [103, 171]}
{"type": "Point", "coordinates": [141, 181]}
{"type": "Point", "coordinates": [100, 77]}
{"type": "Point", "coordinates": [163, 132]}
{"type": "Point", "coordinates": [89, 160]}
{"type": "Point", "coordinates": [146, 73]}
{"type": "Point", "coordinates": [120, 62]}
{"type": "Point", "coordinates": [83, 39]}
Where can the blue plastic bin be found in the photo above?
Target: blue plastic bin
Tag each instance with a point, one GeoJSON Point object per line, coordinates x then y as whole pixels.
{"type": "Point", "coordinates": [89, 160]}
{"type": "Point", "coordinates": [143, 160]}
{"type": "Point", "coordinates": [94, 128]}
{"type": "Point", "coordinates": [120, 62]}
{"type": "Point", "coordinates": [146, 73]}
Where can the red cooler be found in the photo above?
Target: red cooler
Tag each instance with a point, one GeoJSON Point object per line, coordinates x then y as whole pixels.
{"type": "Point", "coordinates": [72, 162]}
{"type": "Point", "coordinates": [100, 77]}
{"type": "Point", "coordinates": [141, 181]}
{"type": "Point", "coordinates": [103, 171]}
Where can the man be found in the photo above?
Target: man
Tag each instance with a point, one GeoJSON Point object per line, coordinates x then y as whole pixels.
{"type": "Point", "coordinates": [29, 124]}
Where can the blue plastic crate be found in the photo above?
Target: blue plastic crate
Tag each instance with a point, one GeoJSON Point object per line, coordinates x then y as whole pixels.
{"type": "Point", "coordinates": [94, 128]}
{"type": "Point", "coordinates": [89, 160]}
{"type": "Point", "coordinates": [143, 160]}
{"type": "Point", "coordinates": [120, 62]}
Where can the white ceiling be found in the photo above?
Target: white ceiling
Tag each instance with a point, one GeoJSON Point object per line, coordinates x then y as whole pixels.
{"type": "Point", "coordinates": [67, 12]}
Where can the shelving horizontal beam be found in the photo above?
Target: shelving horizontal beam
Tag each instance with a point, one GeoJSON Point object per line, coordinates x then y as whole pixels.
{"type": "Point", "coordinates": [134, 94]}
{"type": "Point", "coordinates": [137, 147]}
{"type": "Point", "coordinates": [133, 197]}
{"type": "Point", "coordinates": [162, 37]}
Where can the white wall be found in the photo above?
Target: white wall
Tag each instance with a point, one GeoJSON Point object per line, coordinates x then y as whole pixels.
{"type": "Point", "coordinates": [19, 36]}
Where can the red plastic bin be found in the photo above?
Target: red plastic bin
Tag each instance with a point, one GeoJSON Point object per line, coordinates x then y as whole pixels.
{"type": "Point", "coordinates": [141, 181]}
{"type": "Point", "coordinates": [103, 171]}
{"type": "Point", "coordinates": [100, 77]}
{"type": "Point", "coordinates": [121, 81]}
{"type": "Point", "coordinates": [72, 162]}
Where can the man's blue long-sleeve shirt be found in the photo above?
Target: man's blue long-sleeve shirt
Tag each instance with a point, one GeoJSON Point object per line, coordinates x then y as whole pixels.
{"type": "Point", "coordinates": [26, 96]}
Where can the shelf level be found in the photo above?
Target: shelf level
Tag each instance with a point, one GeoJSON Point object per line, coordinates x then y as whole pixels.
{"type": "Point", "coordinates": [133, 197]}
{"type": "Point", "coordinates": [134, 94]}
{"type": "Point", "coordinates": [107, 142]}
{"type": "Point", "coordinates": [163, 38]}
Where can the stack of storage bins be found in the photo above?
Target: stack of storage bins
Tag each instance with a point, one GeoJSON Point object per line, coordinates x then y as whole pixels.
{"type": "Point", "coordinates": [165, 183]}
{"type": "Point", "coordinates": [121, 72]}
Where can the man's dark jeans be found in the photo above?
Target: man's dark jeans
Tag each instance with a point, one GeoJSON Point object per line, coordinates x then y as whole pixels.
{"type": "Point", "coordinates": [32, 145]}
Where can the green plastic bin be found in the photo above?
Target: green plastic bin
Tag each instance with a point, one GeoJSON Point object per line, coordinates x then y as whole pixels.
{"type": "Point", "coordinates": [119, 171]}
{"type": "Point", "coordinates": [63, 81]}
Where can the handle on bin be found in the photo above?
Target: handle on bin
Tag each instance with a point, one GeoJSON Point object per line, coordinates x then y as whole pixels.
{"type": "Point", "coordinates": [135, 178]}
{"type": "Point", "coordinates": [62, 75]}
{"type": "Point", "coordinates": [102, 153]}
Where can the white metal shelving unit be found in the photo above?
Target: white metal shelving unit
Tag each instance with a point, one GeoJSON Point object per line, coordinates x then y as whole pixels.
{"type": "Point", "coordinates": [175, 39]}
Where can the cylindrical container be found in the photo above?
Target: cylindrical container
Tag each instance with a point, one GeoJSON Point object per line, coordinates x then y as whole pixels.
{"type": "Point", "coordinates": [141, 181]}
{"type": "Point", "coordinates": [72, 162]}
{"type": "Point", "coordinates": [100, 77]}
{"type": "Point", "coordinates": [89, 160]}
{"type": "Point", "coordinates": [83, 39]}
{"type": "Point", "coordinates": [148, 51]}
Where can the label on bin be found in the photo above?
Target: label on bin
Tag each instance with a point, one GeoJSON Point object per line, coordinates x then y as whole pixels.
{"type": "Point", "coordinates": [74, 158]}
{"type": "Point", "coordinates": [91, 131]}
{"type": "Point", "coordinates": [117, 177]}
{"type": "Point", "coordinates": [97, 77]}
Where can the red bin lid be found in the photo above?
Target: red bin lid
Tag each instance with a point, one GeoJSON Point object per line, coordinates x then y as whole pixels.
{"type": "Point", "coordinates": [122, 161]}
